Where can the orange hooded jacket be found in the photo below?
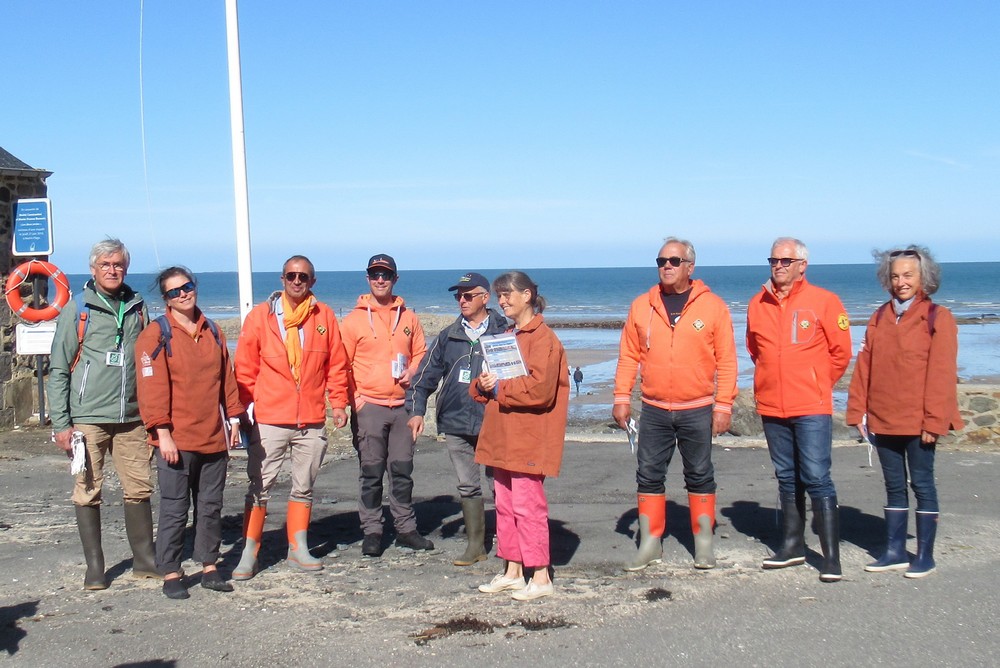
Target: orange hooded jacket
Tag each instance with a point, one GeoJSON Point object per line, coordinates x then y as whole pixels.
{"type": "Point", "coordinates": [375, 335]}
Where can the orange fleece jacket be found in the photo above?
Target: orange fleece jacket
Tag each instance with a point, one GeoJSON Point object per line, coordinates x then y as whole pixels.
{"type": "Point", "coordinates": [373, 336]}
{"type": "Point", "coordinates": [801, 346]}
{"type": "Point", "coordinates": [689, 365]}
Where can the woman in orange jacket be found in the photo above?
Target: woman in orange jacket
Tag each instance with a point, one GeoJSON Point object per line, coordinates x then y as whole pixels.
{"type": "Point", "coordinates": [522, 436]}
{"type": "Point", "coordinates": [903, 398]}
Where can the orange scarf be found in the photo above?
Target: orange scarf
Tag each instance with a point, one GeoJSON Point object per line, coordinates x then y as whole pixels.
{"type": "Point", "coordinates": [293, 318]}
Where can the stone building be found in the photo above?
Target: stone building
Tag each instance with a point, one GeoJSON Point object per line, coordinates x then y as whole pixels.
{"type": "Point", "coordinates": [18, 180]}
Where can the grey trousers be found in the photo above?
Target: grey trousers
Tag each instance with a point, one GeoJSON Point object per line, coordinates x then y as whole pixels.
{"type": "Point", "coordinates": [204, 475]}
{"type": "Point", "coordinates": [462, 450]}
{"type": "Point", "coordinates": [384, 444]}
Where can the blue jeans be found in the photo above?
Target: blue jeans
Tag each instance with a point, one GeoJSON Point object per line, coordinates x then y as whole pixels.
{"type": "Point", "coordinates": [660, 431]}
{"type": "Point", "coordinates": [801, 451]}
{"type": "Point", "coordinates": [899, 453]}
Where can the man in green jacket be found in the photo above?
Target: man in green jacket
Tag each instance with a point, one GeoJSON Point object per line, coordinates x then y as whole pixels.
{"type": "Point", "coordinates": [92, 394]}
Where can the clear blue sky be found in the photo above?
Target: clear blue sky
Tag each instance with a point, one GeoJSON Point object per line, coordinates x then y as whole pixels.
{"type": "Point", "coordinates": [512, 134]}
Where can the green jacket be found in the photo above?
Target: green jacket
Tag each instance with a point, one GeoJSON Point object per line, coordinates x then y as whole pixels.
{"type": "Point", "coordinates": [94, 392]}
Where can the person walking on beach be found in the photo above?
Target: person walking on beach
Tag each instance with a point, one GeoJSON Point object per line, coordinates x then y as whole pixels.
{"type": "Point", "coordinates": [798, 336]}
{"type": "Point", "coordinates": [385, 345]}
{"type": "Point", "coordinates": [91, 390]}
{"type": "Point", "coordinates": [903, 397]}
{"type": "Point", "coordinates": [679, 338]}
{"type": "Point", "coordinates": [453, 360]}
{"type": "Point", "coordinates": [191, 409]}
{"type": "Point", "coordinates": [578, 379]}
{"type": "Point", "coordinates": [290, 362]}
{"type": "Point", "coordinates": [524, 430]}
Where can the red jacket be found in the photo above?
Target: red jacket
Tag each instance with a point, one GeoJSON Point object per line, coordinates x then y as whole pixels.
{"type": "Point", "coordinates": [801, 346]}
{"type": "Point", "coordinates": [374, 335]}
{"type": "Point", "coordinates": [689, 365]}
{"type": "Point", "coordinates": [186, 390]}
{"type": "Point", "coordinates": [265, 378]}
{"type": "Point", "coordinates": [524, 426]}
{"type": "Point", "coordinates": [905, 375]}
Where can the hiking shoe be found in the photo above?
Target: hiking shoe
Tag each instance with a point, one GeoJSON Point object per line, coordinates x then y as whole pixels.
{"type": "Point", "coordinates": [533, 591]}
{"type": "Point", "coordinates": [414, 541]}
{"type": "Point", "coordinates": [371, 546]}
{"type": "Point", "coordinates": [175, 589]}
{"type": "Point", "coordinates": [501, 583]}
{"type": "Point", "coordinates": [212, 580]}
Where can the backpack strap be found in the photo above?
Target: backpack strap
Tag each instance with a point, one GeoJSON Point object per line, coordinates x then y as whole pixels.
{"type": "Point", "coordinates": [83, 322]}
{"type": "Point", "coordinates": [165, 335]}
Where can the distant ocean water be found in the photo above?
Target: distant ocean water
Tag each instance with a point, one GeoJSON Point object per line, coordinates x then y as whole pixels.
{"type": "Point", "coordinates": [601, 294]}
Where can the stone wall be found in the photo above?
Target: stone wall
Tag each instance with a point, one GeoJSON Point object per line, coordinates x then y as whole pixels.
{"type": "Point", "coordinates": [17, 373]}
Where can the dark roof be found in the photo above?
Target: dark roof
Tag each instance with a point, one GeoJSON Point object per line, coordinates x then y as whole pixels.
{"type": "Point", "coordinates": [8, 161]}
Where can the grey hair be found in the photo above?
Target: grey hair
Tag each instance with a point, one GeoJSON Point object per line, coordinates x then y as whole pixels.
{"type": "Point", "coordinates": [800, 248]}
{"type": "Point", "coordinates": [516, 281]}
{"type": "Point", "coordinates": [109, 246]}
{"type": "Point", "coordinates": [688, 246]}
{"type": "Point", "coordinates": [930, 270]}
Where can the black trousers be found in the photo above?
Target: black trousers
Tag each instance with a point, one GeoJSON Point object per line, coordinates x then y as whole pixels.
{"type": "Point", "coordinates": [202, 476]}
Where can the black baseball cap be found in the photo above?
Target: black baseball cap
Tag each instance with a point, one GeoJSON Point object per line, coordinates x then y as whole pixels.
{"type": "Point", "coordinates": [382, 261]}
{"type": "Point", "coordinates": [471, 280]}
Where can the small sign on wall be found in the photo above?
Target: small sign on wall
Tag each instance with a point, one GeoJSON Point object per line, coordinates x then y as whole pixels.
{"type": "Point", "coordinates": [36, 338]}
{"type": "Point", "coordinates": [33, 227]}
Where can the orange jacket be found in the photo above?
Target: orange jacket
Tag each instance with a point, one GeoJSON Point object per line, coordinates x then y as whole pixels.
{"type": "Point", "coordinates": [801, 346]}
{"type": "Point", "coordinates": [524, 425]}
{"type": "Point", "coordinates": [263, 374]}
{"type": "Point", "coordinates": [905, 375]}
{"type": "Point", "coordinates": [689, 365]}
{"type": "Point", "coordinates": [374, 335]}
{"type": "Point", "coordinates": [186, 390]}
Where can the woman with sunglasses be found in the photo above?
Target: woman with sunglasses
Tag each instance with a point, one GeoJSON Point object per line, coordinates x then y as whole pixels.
{"type": "Point", "coordinates": [190, 406]}
{"type": "Point", "coordinates": [903, 398]}
{"type": "Point", "coordinates": [524, 427]}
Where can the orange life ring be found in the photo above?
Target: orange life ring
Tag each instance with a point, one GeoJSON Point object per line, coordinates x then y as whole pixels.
{"type": "Point", "coordinates": [20, 275]}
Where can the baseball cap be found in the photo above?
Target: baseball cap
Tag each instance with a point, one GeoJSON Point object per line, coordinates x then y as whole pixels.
{"type": "Point", "coordinates": [471, 280]}
{"type": "Point", "coordinates": [382, 261]}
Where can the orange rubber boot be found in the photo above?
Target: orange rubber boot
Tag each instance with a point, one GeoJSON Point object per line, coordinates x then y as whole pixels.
{"type": "Point", "coordinates": [702, 524]}
{"type": "Point", "coordinates": [652, 524]}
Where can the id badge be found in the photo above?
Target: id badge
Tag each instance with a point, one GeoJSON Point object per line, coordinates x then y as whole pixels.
{"type": "Point", "coordinates": [115, 358]}
{"type": "Point", "coordinates": [465, 376]}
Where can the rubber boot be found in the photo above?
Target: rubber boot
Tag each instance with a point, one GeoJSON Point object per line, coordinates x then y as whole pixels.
{"type": "Point", "coordinates": [793, 543]}
{"type": "Point", "coordinates": [253, 531]}
{"type": "Point", "coordinates": [702, 525]}
{"type": "Point", "coordinates": [828, 518]}
{"type": "Point", "coordinates": [652, 523]}
{"type": "Point", "coordinates": [88, 521]}
{"type": "Point", "coordinates": [474, 513]}
{"type": "Point", "coordinates": [298, 525]}
{"type": "Point", "coordinates": [139, 529]}
{"type": "Point", "coordinates": [895, 551]}
{"type": "Point", "coordinates": [923, 565]}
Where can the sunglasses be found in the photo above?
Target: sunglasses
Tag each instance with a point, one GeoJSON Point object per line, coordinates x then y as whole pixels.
{"type": "Point", "coordinates": [468, 296]}
{"type": "Point", "coordinates": [381, 275]}
{"type": "Point", "coordinates": [904, 253]}
{"type": "Point", "coordinates": [783, 261]}
{"type": "Point", "coordinates": [297, 276]}
{"type": "Point", "coordinates": [174, 293]}
{"type": "Point", "coordinates": [673, 261]}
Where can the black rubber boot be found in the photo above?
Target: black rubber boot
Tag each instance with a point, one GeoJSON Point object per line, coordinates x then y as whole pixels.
{"type": "Point", "coordinates": [828, 518]}
{"type": "Point", "coordinates": [139, 529]}
{"type": "Point", "coordinates": [793, 543]}
{"type": "Point", "coordinates": [88, 521]}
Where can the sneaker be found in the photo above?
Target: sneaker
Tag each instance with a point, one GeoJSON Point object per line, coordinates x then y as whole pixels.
{"type": "Point", "coordinates": [175, 589]}
{"type": "Point", "coordinates": [212, 580]}
{"type": "Point", "coordinates": [502, 583]}
{"type": "Point", "coordinates": [533, 591]}
{"type": "Point", "coordinates": [371, 546]}
{"type": "Point", "coordinates": [414, 541]}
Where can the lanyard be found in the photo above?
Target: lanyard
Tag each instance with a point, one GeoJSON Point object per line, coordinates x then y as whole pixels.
{"type": "Point", "coordinates": [120, 318]}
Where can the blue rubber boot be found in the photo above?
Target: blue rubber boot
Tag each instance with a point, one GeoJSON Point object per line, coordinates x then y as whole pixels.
{"type": "Point", "coordinates": [923, 564]}
{"type": "Point", "coordinates": [895, 557]}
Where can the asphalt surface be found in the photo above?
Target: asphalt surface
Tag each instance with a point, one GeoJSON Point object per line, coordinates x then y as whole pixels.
{"type": "Point", "coordinates": [418, 609]}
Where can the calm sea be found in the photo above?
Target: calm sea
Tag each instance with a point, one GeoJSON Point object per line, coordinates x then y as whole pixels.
{"type": "Point", "coordinates": [600, 294]}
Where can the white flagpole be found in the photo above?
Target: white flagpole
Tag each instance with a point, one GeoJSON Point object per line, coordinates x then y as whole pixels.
{"type": "Point", "coordinates": [243, 262]}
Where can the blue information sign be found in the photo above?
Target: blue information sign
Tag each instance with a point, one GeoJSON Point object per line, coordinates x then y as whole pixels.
{"type": "Point", "coordinates": [33, 227]}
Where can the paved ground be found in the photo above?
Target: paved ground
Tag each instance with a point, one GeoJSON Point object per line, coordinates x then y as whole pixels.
{"type": "Point", "coordinates": [418, 609]}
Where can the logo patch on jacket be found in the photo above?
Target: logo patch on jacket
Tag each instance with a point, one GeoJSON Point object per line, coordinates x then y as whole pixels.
{"type": "Point", "coordinates": [321, 329]}
{"type": "Point", "coordinates": [406, 330]}
{"type": "Point", "coordinates": [805, 324]}
{"type": "Point", "coordinates": [698, 325]}
{"type": "Point", "coordinates": [843, 321]}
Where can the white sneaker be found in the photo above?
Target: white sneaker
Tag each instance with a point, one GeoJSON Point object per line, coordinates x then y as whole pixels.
{"type": "Point", "coordinates": [502, 583]}
{"type": "Point", "coordinates": [533, 591]}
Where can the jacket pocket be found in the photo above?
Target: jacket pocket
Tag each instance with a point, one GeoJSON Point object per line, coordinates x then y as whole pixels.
{"type": "Point", "coordinates": [804, 325]}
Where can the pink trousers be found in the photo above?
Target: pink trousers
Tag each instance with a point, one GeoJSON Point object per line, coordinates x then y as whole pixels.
{"type": "Point", "coordinates": [522, 518]}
